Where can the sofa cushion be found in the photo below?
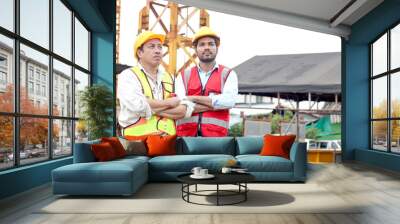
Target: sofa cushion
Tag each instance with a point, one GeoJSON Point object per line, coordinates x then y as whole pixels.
{"type": "Point", "coordinates": [249, 145]}
{"type": "Point", "coordinates": [185, 163]}
{"type": "Point", "coordinates": [134, 147]}
{"type": "Point", "coordinates": [116, 145]}
{"type": "Point", "coordinates": [161, 145]}
{"type": "Point", "coordinates": [129, 159]}
{"type": "Point", "coordinates": [277, 145]}
{"type": "Point", "coordinates": [83, 152]}
{"type": "Point", "coordinates": [257, 163]}
{"type": "Point", "coordinates": [112, 171]}
{"type": "Point", "coordinates": [103, 152]}
{"type": "Point", "coordinates": [206, 145]}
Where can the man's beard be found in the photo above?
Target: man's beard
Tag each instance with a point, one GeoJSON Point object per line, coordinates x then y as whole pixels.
{"type": "Point", "coordinates": [207, 60]}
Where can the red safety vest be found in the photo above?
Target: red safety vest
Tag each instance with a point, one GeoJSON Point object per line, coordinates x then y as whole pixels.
{"type": "Point", "coordinates": [209, 123]}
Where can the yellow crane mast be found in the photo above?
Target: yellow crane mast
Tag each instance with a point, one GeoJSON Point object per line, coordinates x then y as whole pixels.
{"type": "Point", "coordinates": [175, 37]}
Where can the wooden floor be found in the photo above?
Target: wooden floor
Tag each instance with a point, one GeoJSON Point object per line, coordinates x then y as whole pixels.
{"type": "Point", "coordinates": [377, 188]}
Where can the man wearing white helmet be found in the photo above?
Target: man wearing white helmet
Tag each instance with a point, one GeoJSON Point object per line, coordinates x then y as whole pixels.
{"type": "Point", "coordinates": [148, 104]}
{"type": "Point", "coordinates": [212, 87]}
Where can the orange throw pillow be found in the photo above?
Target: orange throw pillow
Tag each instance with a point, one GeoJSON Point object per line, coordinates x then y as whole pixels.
{"type": "Point", "coordinates": [158, 145]}
{"type": "Point", "coordinates": [103, 152]}
{"type": "Point", "coordinates": [116, 145]}
{"type": "Point", "coordinates": [277, 145]}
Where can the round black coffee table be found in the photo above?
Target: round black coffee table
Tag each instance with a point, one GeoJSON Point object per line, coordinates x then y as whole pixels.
{"type": "Point", "coordinates": [238, 179]}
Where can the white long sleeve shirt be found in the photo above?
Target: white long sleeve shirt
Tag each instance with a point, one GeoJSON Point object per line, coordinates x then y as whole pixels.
{"type": "Point", "coordinates": [133, 103]}
{"type": "Point", "coordinates": [225, 100]}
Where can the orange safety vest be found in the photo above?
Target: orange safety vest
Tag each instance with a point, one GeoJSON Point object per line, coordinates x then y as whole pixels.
{"type": "Point", "coordinates": [208, 123]}
{"type": "Point", "coordinates": [155, 125]}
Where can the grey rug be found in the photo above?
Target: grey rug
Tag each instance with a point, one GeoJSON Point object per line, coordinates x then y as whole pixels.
{"type": "Point", "coordinates": [166, 198]}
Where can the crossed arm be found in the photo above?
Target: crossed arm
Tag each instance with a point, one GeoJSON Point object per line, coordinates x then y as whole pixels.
{"type": "Point", "coordinates": [203, 103]}
{"type": "Point", "coordinates": [169, 108]}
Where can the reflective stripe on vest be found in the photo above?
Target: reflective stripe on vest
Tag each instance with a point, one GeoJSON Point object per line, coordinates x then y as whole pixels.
{"type": "Point", "coordinates": [156, 124]}
{"type": "Point", "coordinates": [204, 120]}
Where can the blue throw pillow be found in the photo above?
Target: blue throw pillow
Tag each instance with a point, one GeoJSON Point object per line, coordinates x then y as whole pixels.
{"type": "Point", "coordinates": [207, 145]}
{"type": "Point", "coordinates": [249, 145]}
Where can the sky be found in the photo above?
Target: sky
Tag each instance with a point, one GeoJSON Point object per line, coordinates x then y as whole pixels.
{"type": "Point", "coordinates": [35, 27]}
{"type": "Point", "coordinates": [239, 42]}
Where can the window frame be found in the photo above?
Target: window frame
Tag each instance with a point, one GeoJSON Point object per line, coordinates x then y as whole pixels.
{"type": "Point", "coordinates": [388, 74]}
{"type": "Point", "coordinates": [18, 40]}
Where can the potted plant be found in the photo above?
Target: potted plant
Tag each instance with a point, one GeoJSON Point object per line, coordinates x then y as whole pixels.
{"type": "Point", "coordinates": [96, 102]}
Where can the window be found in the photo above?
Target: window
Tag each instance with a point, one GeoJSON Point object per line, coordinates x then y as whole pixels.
{"type": "Point", "coordinates": [37, 74]}
{"type": "Point", "coordinates": [38, 89]}
{"type": "Point", "coordinates": [62, 29]}
{"type": "Point", "coordinates": [44, 91]}
{"type": "Point", "coordinates": [385, 96]}
{"type": "Point", "coordinates": [3, 70]}
{"type": "Point", "coordinates": [55, 129]}
{"type": "Point", "coordinates": [3, 78]}
{"type": "Point", "coordinates": [30, 87]}
{"type": "Point", "coordinates": [7, 14]}
{"type": "Point", "coordinates": [81, 45]}
{"type": "Point", "coordinates": [323, 145]}
{"type": "Point", "coordinates": [62, 75]}
{"type": "Point", "coordinates": [3, 61]}
{"type": "Point", "coordinates": [7, 142]}
{"type": "Point", "coordinates": [35, 22]}
{"type": "Point", "coordinates": [62, 142]}
{"type": "Point", "coordinates": [81, 81]}
{"type": "Point", "coordinates": [43, 77]}
{"type": "Point", "coordinates": [30, 73]}
{"type": "Point", "coordinates": [6, 74]}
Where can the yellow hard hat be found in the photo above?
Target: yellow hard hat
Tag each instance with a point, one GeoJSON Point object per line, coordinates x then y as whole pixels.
{"type": "Point", "coordinates": [205, 31]}
{"type": "Point", "coordinates": [144, 37]}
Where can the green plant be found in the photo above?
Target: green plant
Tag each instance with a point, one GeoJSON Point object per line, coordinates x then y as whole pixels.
{"type": "Point", "coordinates": [236, 130]}
{"type": "Point", "coordinates": [312, 133]}
{"type": "Point", "coordinates": [275, 124]}
{"type": "Point", "coordinates": [288, 115]}
{"type": "Point", "coordinates": [96, 102]}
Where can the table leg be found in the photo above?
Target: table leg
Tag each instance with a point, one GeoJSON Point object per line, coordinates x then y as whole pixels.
{"type": "Point", "coordinates": [217, 194]}
{"type": "Point", "coordinates": [245, 191]}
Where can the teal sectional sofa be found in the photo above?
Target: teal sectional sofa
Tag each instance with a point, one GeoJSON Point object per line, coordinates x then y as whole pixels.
{"type": "Point", "coordinates": [125, 176]}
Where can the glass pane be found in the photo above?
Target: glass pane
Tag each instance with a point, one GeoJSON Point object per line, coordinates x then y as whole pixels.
{"type": "Point", "coordinates": [81, 131]}
{"type": "Point", "coordinates": [62, 141]}
{"type": "Point", "coordinates": [379, 55]}
{"type": "Point", "coordinates": [6, 142]}
{"type": "Point", "coordinates": [6, 74]}
{"type": "Point", "coordinates": [35, 21]}
{"type": "Point", "coordinates": [379, 97]}
{"type": "Point", "coordinates": [395, 136]}
{"type": "Point", "coordinates": [81, 45]}
{"type": "Point", "coordinates": [395, 94]}
{"type": "Point", "coordinates": [379, 135]}
{"type": "Point", "coordinates": [33, 140]}
{"type": "Point", "coordinates": [62, 29]}
{"type": "Point", "coordinates": [395, 47]}
{"type": "Point", "coordinates": [81, 81]}
{"type": "Point", "coordinates": [34, 82]}
{"type": "Point", "coordinates": [62, 89]}
{"type": "Point", "coordinates": [7, 14]}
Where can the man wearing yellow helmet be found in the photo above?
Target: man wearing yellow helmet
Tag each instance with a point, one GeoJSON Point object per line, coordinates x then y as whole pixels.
{"type": "Point", "coordinates": [212, 87]}
{"type": "Point", "coordinates": [148, 104]}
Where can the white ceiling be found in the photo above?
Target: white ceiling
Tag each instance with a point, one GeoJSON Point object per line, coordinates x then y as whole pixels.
{"type": "Point", "coordinates": [324, 16]}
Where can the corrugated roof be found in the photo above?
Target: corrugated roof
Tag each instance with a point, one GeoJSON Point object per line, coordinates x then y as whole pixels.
{"type": "Point", "coordinates": [293, 76]}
